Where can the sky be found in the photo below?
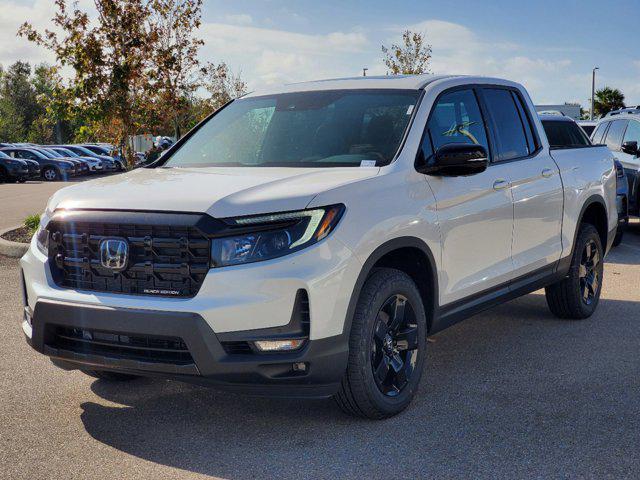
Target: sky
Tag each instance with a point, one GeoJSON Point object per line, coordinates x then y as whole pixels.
{"type": "Point", "coordinates": [549, 46]}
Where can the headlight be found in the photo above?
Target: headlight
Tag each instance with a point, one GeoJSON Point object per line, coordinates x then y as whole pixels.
{"type": "Point", "coordinates": [265, 237]}
{"type": "Point", "coordinates": [42, 234]}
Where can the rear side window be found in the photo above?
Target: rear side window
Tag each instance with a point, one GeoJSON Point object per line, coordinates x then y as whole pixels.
{"type": "Point", "coordinates": [563, 134]}
{"type": "Point", "coordinates": [597, 135]}
{"type": "Point", "coordinates": [507, 124]}
{"type": "Point", "coordinates": [455, 118]}
{"type": "Point", "coordinates": [615, 134]}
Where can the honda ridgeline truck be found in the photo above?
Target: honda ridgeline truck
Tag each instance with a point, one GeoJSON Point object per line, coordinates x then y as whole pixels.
{"type": "Point", "coordinates": [306, 240]}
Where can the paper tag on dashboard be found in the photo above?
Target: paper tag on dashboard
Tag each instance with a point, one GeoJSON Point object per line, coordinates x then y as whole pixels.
{"type": "Point", "coordinates": [368, 163]}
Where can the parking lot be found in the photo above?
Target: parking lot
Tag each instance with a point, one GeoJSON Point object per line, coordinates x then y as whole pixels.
{"type": "Point", "coordinates": [510, 393]}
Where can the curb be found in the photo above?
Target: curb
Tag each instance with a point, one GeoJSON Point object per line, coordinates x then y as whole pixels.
{"type": "Point", "coordinates": [12, 249]}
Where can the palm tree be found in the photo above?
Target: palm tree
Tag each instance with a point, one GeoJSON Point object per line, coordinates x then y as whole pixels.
{"type": "Point", "coordinates": [607, 99]}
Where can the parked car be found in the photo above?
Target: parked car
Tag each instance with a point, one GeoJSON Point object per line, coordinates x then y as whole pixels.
{"type": "Point", "coordinates": [81, 168]}
{"type": "Point", "coordinates": [12, 169]}
{"type": "Point", "coordinates": [107, 151]}
{"type": "Point", "coordinates": [323, 243]}
{"type": "Point", "coordinates": [95, 164]}
{"type": "Point", "coordinates": [564, 132]}
{"type": "Point", "coordinates": [588, 126]}
{"type": "Point", "coordinates": [34, 168]}
{"type": "Point", "coordinates": [622, 135]}
{"type": "Point", "coordinates": [107, 162]}
{"type": "Point", "coordinates": [51, 168]}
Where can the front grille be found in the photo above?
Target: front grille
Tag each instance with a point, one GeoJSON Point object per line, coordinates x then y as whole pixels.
{"type": "Point", "coordinates": [163, 260]}
{"type": "Point", "coordinates": [143, 348]}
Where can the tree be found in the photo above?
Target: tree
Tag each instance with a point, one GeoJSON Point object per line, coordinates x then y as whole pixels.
{"type": "Point", "coordinates": [18, 102]}
{"type": "Point", "coordinates": [175, 56]}
{"type": "Point", "coordinates": [110, 59]}
{"type": "Point", "coordinates": [412, 57]}
{"type": "Point", "coordinates": [222, 85]}
{"type": "Point", "coordinates": [607, 99]}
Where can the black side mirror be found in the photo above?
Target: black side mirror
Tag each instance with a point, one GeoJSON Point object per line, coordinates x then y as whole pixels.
{"type": "Point", "coordinates": [630, 147]}
{"type": "Point", "coordinates": [456, 159]}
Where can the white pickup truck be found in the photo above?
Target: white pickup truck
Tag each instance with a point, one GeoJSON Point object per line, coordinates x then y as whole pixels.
{"type": "Point", "coordinates": [305, 241]}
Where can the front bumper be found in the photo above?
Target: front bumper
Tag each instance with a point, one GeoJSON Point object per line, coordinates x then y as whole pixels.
{"type": "Point", "coordinates": [314, 371]}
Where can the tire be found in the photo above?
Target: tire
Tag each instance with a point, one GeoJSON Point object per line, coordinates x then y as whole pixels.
{"type": "Point", "coordinates": [397, 356]}
{"type": "Point", "coordinates": [50, 174]}
{"type": "Point", "coordinates": [110, 376]}
{"type": "Point", "coordinates": [576, 296]}
{"type": "Point", "coordinates": [22, 180]}
{"type": "Point", "coordinates": [3, 175]}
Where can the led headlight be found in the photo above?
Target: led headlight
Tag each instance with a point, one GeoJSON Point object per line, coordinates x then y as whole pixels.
{"type": "Point", "coordinates": [264, 237]}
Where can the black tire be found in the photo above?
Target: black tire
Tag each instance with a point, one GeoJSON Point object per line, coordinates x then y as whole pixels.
{"type": "Point", "coordinates": [3, 175]}
{"type": "Point", "coordinates": [110, 376]}
{"type": "Point", "coordinates": [362, 392]}
{"type": "Point", "coordinates": [50, 174]}
{"type": "Point", "coordinates": [576, 296]}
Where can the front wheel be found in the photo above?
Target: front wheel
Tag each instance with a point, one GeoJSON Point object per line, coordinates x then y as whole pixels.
{"type": "Point", "coordinates": [386, 347]}
{"type": "Point", "coordinates": [50, 174]}
{"type": "Point", "coordinates": [577, 295]}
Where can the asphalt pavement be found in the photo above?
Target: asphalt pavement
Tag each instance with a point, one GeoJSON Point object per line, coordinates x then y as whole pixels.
{"type": "Point", "coordinates": [510, 393]}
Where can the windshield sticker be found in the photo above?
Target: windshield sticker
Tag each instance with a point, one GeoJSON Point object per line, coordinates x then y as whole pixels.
{"type": "Point", "coordinates": [410, 110]}
{"type": "Point", "coordinates": [368, 163]}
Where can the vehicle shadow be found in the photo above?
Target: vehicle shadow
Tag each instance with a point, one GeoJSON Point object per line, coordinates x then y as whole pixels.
{"type": "Point", "coordinates": [628, 252]}
{"type": "Point", "coordinates": [512, 392]}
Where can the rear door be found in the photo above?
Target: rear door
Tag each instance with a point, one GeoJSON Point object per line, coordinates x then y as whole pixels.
{"type": "Point", "coordinates": [536, 186]}
{"type": "Point", "coordinates": [631, 162]}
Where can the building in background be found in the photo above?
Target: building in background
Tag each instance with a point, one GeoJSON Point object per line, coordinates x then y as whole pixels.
{"type": "Point", "coordinates": [568, 109]}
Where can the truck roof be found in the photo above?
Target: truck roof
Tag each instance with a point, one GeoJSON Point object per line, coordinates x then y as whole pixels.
{"type": "Point", "coordinates": [401, 82]}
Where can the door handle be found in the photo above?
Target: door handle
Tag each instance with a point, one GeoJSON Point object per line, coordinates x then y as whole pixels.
{"type": "Point", "coordinates": [500, 184]}
{"type": "Point", "coordinates": [547, 172]}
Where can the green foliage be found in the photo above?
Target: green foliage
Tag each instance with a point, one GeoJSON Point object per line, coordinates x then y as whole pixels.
{"type": "Point", "coordinates": [32, 222]}
{"type": "Point", "coordinates": [412, 57]}
{"type": "Point", "coordinates": [607, 99]}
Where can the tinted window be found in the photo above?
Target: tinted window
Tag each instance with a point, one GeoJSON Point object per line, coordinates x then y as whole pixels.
{"type": "Point", "coordinates": [598, 133]}
{"type": "Point", "coordinates": [526, 123]}
{"type": "Point", "coordinates": [633, 132]}
{"type": "Point", "coordinates": [510, 136]}
{"type": "Point", "coordinates": [563, 134]}
{"type": "Point", "coordinates": [456, 118]}
{"type": "Point", "coordinates": [615, 133]}
{"type": "Point", "coordinates": [588, 129]}
{"type": "Point", "coordinates": [302, 129]}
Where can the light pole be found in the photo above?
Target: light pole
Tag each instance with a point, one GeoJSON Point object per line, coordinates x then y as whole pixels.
{"type": "Point", "coordinates": [364, 71]}
{"type": "Point", "coordinates": [593, 89]}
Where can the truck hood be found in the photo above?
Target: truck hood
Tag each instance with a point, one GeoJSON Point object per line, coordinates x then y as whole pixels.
{"type": "Point", "coordinates": [220, 192]}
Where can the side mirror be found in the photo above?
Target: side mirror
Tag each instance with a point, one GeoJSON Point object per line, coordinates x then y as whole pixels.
{"type": "Point", "coordinates": [456, 159]}
{"type": "Point", "coordinates": [630, 147]}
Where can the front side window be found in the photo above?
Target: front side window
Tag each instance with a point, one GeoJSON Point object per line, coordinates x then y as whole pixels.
{"type": "Point", "coordinates": [633, 132]}
{"type": "Point", "coordinates": [615, 134]}
{"type": "Point", "coordinates": [455, 118]}
{"type": "Point", "coordinates": [564, 134]}
{"type": "Point", "coordinates": [302, 129]}
{"type": "Point", "coordinates": [507, 124]}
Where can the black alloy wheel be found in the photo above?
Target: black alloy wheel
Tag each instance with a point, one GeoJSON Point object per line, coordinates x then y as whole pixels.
{"type": "Point", "coordinates": [395, 345]}
{"type": "Point", "coordinates": [589, 272]}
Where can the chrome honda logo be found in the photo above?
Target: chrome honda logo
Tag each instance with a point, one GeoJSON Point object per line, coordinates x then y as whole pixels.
{"type": "Point", "coordinates": [114, 253]}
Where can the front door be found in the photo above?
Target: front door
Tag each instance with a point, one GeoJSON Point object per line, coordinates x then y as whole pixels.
{"type": "Point", "coordinates": [475, 213]}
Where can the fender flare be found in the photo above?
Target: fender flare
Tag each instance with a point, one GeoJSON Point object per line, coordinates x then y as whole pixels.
{"type": "Point", "coordinates": [377, 254]}
{"type": "Point", "coordinates": [588, 202]}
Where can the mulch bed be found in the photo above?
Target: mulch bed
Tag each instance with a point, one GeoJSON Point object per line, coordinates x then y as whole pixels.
{"type": "Point", "coordinates": [22, 235]}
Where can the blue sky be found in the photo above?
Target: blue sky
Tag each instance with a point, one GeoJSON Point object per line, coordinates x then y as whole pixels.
{"type": "Point", "coordinates": [549, 46]}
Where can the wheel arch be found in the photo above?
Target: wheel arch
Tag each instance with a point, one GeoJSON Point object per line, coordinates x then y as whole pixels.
{"type": "Point", "coordinates": [594, 211]}
{"type": "Point", "coordinates": [410, 255]}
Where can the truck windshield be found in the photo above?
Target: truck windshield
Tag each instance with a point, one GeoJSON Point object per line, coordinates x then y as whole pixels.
{"type": "Point", "coordinates": [303, 129]}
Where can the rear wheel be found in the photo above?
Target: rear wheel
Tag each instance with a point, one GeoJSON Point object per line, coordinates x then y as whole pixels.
{"type": "Point", "coordinates": [386, 347]}
{"type": "Point", "coordinates": [577, 295]}
{"type": "Point", "coordinates": [110, 376]}
{"type": "Point", "coordinates": [50, 174]}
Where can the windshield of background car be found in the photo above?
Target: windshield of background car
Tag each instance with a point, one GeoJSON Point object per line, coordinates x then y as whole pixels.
{"type": "Point", "coordinates": [302, 129]}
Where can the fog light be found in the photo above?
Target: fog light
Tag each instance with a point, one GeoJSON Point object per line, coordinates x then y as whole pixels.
{"type": "Point", "coordinates": [279, 345]}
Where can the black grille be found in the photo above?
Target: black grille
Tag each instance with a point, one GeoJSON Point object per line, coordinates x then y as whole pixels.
{"type": "Point", "coordinates": [143, 348]}
{"type": "Point", "coordinates": [163, 260]}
